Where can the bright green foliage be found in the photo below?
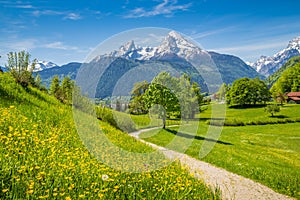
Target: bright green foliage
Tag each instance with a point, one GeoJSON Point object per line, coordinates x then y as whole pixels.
{"type": "Point", "coordinates": [160, 95]}
{"type": "Point", "coordinates": [167, 96]}
{"type": "Point", "coordinates": [55, 89]}
{"type": "Point", "coordinates": [189, 97]}
{"type": "Point", "coordinates": [18, 65]}
{"type": "Point", "coordinates": [272, 109]}
{"type": "Point", "coordinates": [67, 87]}
{"type": "Point", "coordinates": [247, 91]}
{"type": "Point", "coordinates": [274, 77]}
{"type": "Point", "coordinates": [64, 91]}
{"type": "Point", "coordinates": [137, 104]}
{"type": "Point", "coordinates": [289, 81]}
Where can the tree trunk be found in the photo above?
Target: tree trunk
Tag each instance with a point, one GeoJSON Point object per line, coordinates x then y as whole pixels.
{"type": "Point", "coordinates": [164, 122]}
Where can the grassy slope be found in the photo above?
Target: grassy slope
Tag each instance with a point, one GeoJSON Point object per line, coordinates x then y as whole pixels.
{"type": "Point", "coordinates": [42, 156]}
{"type": "Point", "coordinates": [268, 154]}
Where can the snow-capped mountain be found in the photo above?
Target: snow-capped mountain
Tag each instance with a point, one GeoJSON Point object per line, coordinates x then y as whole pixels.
{"type": "Point", "coordinates": [41, 65]}
{"type": "Point", "coordinates": [268, 65]}
{"type": "Point", "coordinates": [173, 45]}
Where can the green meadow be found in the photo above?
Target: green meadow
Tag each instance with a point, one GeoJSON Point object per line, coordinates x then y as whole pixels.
{"type": "Point", "coordinates": [269, 154]}
{"type": "Point", "coordinates": [43, 157]}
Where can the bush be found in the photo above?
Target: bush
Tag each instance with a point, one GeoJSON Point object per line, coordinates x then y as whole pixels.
{"type": "Point", "coordinates": [272, 109]}
{"type": "Point", "coordinates": [119, 120]}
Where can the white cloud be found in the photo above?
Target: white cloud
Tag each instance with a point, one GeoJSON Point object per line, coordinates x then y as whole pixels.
{"type": "Point", "coordinates": [167, 8]}
{"type": "Point", "coordinates": [66, 14]}
{"type": "Point", "coordinates": [59, 45]}
{"type": "Point", "coordinates": [27, 45]}
{"type": "Point", "coordinates": [72, 16]}
{"type": "Point", "coordinates": [208, 33]}
{"type": "Point", "coordinates": [38, 13]}
{"type": "Point", "coordinates": [22, 6]}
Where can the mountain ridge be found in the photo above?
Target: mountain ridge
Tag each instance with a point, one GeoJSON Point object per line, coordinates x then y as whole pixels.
{"type": "Point", "coordinates": [267, 65]}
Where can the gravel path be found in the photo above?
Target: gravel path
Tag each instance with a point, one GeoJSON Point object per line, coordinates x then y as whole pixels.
{"type": "Point", "coordinates": [232, 186]}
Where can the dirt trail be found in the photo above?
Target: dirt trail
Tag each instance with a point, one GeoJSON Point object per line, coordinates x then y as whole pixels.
{"type": "Point", "coordinates": [232, 186]}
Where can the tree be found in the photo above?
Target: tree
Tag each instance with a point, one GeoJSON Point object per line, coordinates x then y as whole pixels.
{"type": "Point", "coordinates": [19, 66]}
{"type": "Point", "coordinates": [67, 87]}
{"type": "Point", "coordinates": [137, 104]}
{"type": "Point", "coordinates": [38, 81]}
{"type": "Point", "coordinates": [288, 81]}
{"type": "Point", "coordinates": [118, 105]}
{"type": "Point", "coordinates": [247, 91]}
{"type": "Point", "coordinates": [272, 109]}
{"type": "Point", "coordinates": [55, 88]}
{"type": "Point", "coordinates": [259, 91]}
{"type": "Point", "coordinates": [189, 97]}
{"type": "Point", "coordinates": [222, 92]}
{"type": "Point", "coordinates": [161, 92]}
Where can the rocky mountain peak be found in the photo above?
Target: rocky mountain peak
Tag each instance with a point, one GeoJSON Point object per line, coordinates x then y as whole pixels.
{"type": "Point", "coordinates": [269, 65]}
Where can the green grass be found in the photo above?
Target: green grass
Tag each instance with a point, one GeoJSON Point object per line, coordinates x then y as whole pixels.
{"type": "Point", "coordinates": [144, 121]}
{"type": "Point", "coordinates": [269, 154]}
{"type": "Point", "coordinates": [289, 113]}
{"type": "Point", "coordinates": [42, 156]}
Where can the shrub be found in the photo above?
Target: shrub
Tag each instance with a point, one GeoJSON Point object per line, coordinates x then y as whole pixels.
{"type": "Point", "coordinates": [119, 120]}
{"type": "Point", "coordinates": [272, 109]}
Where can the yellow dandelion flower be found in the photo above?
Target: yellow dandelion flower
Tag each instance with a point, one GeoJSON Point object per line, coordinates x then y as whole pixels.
{"type": "Point", "coordinates": [68, 198]}
{"type": "Point", "coordinates": [100, 195]}
{"type": "Point", "coordinates": [5, 190]}
{"type": "Point", "coordinates": [29, 192]}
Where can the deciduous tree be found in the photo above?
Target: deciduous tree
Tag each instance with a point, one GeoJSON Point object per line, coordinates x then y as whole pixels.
{"type": "Point", "coordinates": [20, 67]}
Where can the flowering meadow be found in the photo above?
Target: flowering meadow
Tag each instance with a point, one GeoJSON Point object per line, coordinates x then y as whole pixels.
{"type": "Point", "coordinates": [42, 156]}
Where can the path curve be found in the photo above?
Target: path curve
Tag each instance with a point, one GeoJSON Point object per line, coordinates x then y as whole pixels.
{"type": "Point", "coordinates": [232, 186]}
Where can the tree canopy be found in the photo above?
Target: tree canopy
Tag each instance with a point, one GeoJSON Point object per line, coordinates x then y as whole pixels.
{"type": "Point", "coordinates": [20, 66]}
{"type": "Point", "coordinates": [288, 82]}
{"type": "Point", "coordinates": [166, 96]}
{"type": "Point", "coordinates": [247, 91]}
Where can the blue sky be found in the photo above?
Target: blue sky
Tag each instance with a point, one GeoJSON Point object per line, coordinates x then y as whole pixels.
{"type": "Point", "coordinates": [65, 31]}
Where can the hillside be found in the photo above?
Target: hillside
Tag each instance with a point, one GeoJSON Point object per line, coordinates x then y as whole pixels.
{"type": "Point", "coordinates": [288, 80]}
{"type": "Point", "coordinates": [42, 156]}
{"type": "Point", "coordinates": [274, 77]}
{"type": "Point", "coordinates": [69, 69]}
{"type": "Point", "coordinates": [232, 68]}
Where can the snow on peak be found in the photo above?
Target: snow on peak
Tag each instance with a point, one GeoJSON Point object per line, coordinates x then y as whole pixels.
{"type": "Point", "coordinates": [268, 65]}
{"type": "Point", "coordinates": [41, 65]}
{"type": "Point", "coordinates": [174, 34]}
{"type": "Point", "coordinates": [173, 44]}
{"type": "Point", "coordinates": [294, 44]}
{"type": "Point", "coordinates": [129, 46]}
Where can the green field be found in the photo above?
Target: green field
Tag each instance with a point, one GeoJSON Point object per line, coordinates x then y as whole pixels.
{"type": "Point", "coordinates": [42, 156]}
{"type": "Point", "coordinates": [269, 154]}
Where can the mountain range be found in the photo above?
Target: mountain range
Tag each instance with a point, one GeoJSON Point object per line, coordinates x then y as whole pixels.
{"type": "Point", "coordinates": [131, 63]}
{"type": "Point", "coordinates": [42, 65]}
{"type": "Point", "coordinates": [175, 54]}
{"type": "Point", "coordinates": [269, 65]}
